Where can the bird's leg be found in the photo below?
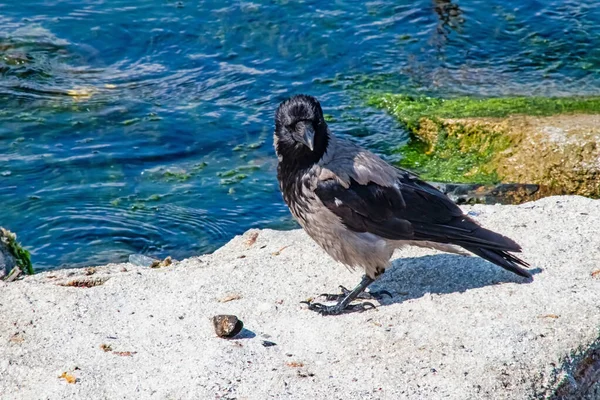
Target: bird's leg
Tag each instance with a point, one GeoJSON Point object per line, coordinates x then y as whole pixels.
{"type": "Point", "coordinates": [370, 295]}
{"type": "Point", "coordinates": [344, 306]}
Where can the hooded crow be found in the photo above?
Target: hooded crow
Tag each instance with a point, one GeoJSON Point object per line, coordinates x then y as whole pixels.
{"type": "Point", "coordinates": [359, 208]}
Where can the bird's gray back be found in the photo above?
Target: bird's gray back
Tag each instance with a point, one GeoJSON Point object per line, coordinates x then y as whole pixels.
{"type": "Point", "coordinates": [345, 160]}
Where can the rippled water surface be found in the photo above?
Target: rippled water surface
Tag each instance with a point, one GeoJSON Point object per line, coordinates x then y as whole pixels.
{"type": "Point", "coordinates": [145, 126]}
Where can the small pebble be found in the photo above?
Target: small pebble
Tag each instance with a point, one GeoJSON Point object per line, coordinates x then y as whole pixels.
{"type": "Point", "coordinates": [267, 343]}
{"type": "Point", "coordinates": [227, 326]}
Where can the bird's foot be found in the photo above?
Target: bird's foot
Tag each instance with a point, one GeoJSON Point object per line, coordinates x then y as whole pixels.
{"type": "Point", "coordinates": [362, 296]}
{"type": "Point", "coordinates": [344, 305]}
{"type": "Point", "coordinates": [339, 308]}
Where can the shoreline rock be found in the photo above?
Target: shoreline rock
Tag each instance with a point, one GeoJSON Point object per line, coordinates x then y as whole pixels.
{"type": "Point", "coordinates": [456, 327]}
{"type": "Point", "coordinates": [554, 143]}
{"type": "Point", "coordinates": [14, 259]}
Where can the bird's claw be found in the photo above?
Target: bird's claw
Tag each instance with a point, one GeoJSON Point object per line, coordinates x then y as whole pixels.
{"type": "Point", "coordinates": [338, 308]}
{"type": "Point", "coordinates": [363, 296]}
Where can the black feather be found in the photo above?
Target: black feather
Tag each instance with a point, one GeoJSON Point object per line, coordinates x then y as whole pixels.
{"type": "Point", "coordinates": [366, 208]}
{"type": "Point", "coordinates": [289, 114]}
{"type": "Point", "coordinates": [503, 259]}
{"type": "Point", "coordinates": [414, 210]}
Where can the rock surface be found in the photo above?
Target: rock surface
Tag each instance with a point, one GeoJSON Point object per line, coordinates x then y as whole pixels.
{"type": "Point", "coordinates": [456, 328]}
{"type": "Point", "coordinates": [553, 143]}
{"type": "Point", "coordinates": [7, 260]}
{"type": "Point", "coordinates": [561, 152]}
{"type": "Point", "coordinates": [14, 259]}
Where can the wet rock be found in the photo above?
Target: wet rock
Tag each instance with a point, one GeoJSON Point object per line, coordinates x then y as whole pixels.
{"type": "Point", "coordinates": [141, 260]}
{"type": "Point", "coordinates": [14, 259]}
{"type": "Point", "coordinates": [144, 261]}
{"type": "Point", "coordinates": [7, 260]}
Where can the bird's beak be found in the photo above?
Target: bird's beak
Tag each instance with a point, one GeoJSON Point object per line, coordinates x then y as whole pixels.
{"type": "Point", "coordinates": [308, 139]}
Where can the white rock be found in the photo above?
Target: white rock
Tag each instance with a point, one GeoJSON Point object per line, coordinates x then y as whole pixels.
{"type": "Point", "coordinates": [483, 334]}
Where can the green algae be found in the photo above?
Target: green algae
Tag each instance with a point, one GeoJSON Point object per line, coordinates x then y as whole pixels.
{"type": "Point", "coordinates": [455, 153]}
{"type": "Point", "coordinates": [248, 146]}
{"type": "Point", "coordinates": [131, 121]}
{"type": "Point", "coordinates": [410, 109]}
{"type": "Point", "coordinates": [227, 174]}
{"type": "Point", "coordinates": [236, 174]}
{"type": "Point", "coordinates": [446, 150]}
{"type": "Point", "coordinates": [178, 176]}
{"type": "Point", "coordinates": [248, 168]}
{"type": "Point", "coordinates": [446, 165]}
{"type": "Point", "coordinates": [22, 256]}
{"type": "Point", "coordinates": [199, 166]}
{"type": "Point", "coordinates": [137, 206]}
{"type": "Point", "coordinates": [233, 180]}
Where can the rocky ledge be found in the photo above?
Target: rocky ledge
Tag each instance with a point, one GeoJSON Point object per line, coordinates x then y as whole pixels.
{"type": "Point", "coordinates": [456, 327]}
{"type": "Point", "coordinates": [553, 143]}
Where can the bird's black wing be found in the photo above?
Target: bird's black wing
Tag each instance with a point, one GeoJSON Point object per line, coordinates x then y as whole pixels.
{"type": "Point", "coordinates": [408, 210]}
{"type": "Point", "coordinates": [411, 209]}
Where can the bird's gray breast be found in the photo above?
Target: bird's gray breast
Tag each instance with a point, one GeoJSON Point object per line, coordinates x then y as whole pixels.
{"type": "Point", "coordinates": [324, 227]}
{"type": "Point", "coordinates": [298, 193]}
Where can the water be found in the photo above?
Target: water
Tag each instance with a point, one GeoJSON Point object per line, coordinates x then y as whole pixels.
{"type": "Point", "coordinates": [120, 119]}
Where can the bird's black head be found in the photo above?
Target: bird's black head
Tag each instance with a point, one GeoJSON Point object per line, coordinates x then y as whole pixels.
{"type": "Point", "coordinates": [300, 131]}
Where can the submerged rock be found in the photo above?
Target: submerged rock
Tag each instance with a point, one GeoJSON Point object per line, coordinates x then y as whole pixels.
{"type": "Point", "coordinates": [142, 260]}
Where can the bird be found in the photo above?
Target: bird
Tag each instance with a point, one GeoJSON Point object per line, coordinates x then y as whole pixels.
{"type": "Point", "coordinates": [359, 208]}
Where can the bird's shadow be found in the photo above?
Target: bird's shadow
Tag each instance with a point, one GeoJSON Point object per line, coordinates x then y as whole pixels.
{"type": "Point", "coordinates": [411, 278]}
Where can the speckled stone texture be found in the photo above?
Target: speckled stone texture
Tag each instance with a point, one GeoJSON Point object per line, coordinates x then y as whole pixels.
{"type": "Point", "coordinates": [456, 328]}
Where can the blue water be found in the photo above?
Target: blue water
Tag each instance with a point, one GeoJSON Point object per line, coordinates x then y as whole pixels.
{"type": "Point", "coordinates": [120, 119]}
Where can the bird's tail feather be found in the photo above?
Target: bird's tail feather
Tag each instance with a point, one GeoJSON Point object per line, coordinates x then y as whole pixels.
{"type": "Point", "coordinates": [503, 259]}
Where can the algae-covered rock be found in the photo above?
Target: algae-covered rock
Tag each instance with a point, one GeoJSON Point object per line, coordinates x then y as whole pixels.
{"type": "Point", "coordinates": [561, 152]}
{"type": "Point", "coordinates": [550, 142]}
{"type": "Point", "coordinates": [13, 256]}
{"type": "Point", "coordinates": [7, 261]}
